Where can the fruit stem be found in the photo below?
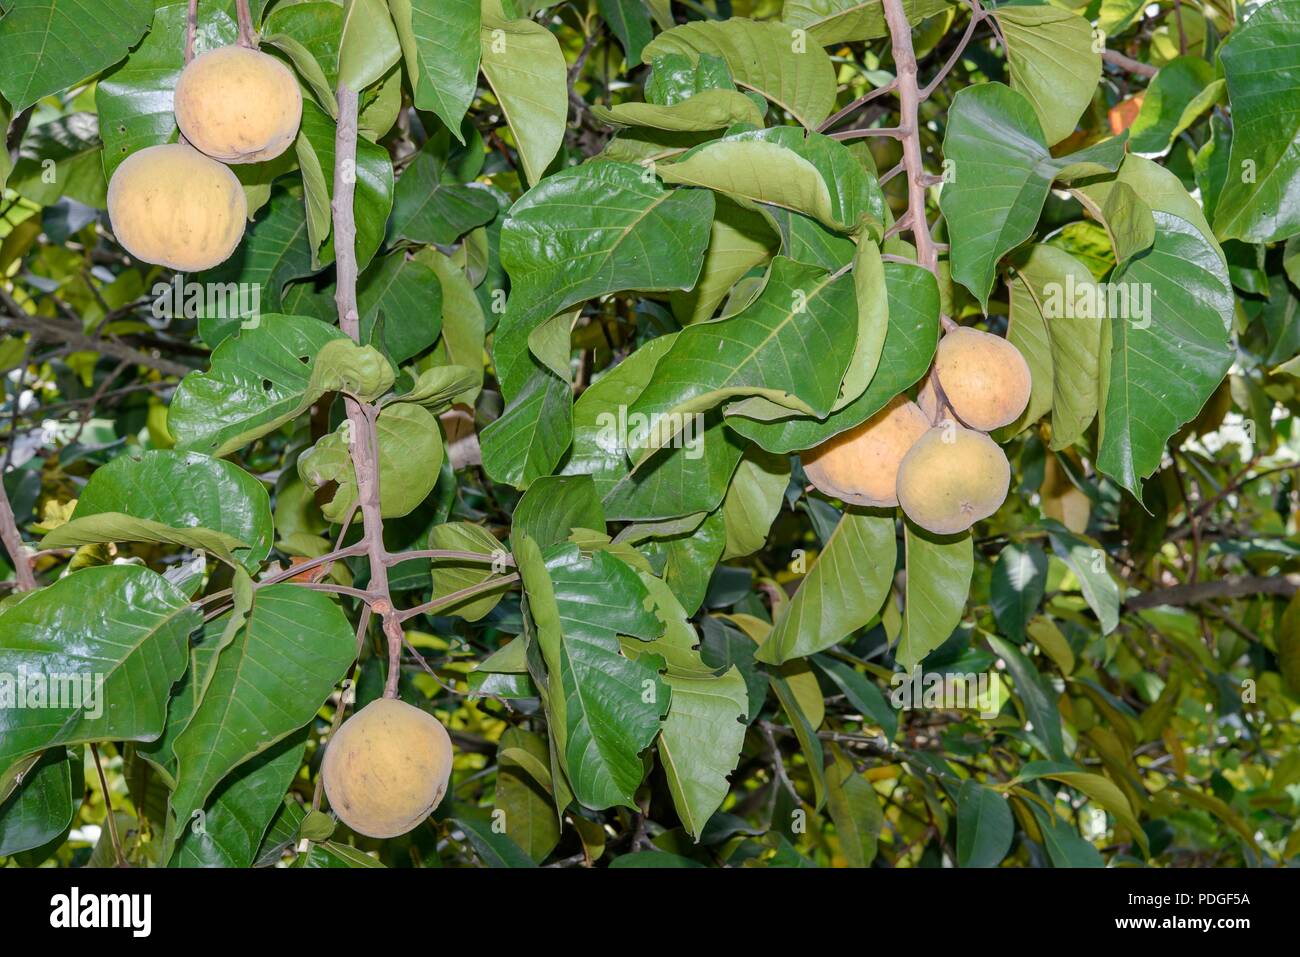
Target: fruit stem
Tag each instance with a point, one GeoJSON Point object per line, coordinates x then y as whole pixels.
{"type": "Point", "coordinates": [191, 28]}
{"type": "Point", "coordinates": [247, 37]}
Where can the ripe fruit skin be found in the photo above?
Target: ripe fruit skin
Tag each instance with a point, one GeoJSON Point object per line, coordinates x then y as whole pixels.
{"type": "Point", "coordinates": [860, 466]}
{"type": "Point", "coordinates": [386, 768]}
{"type": "Point", "coordinates": [238, 105]}
{"type": "Point", "coordinates": [984, 377]}
{"type": "Point", "coordinates": [174, 206]}
{"type": "Point", "coordinates": [951, 478]}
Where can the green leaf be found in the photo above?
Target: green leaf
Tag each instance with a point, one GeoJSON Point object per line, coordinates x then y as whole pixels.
{"type": "Point", "coordinates": [368, 44]}
{"type": "Point", "coordinates": [842, 591]}
{"type": "Point", "coordinates": [1261, 62]}
{"type": "Point", "coordinates": [984, 826]}
{"type": "Point", "coordinates": [1003, 175]}
{"type": "Point", "coordinates": [462, 321]}
{"type": "Point", "coordinates": [753, 500]}
{"type": "Point", "coordinates": [783, 347]}
{"type": "Point", "coordinates": [1162, 367]}
{"type": "Point", "coordinates": [762, 58]}
{"type": "Point", "coordinates": [1088, 562]}
{"type": "Point", "coordinates": [938, 579]}
{"type": "Point", "coordinates": [119, 527]}
{"type": "Point", "coordinates": [584, 232]}
{"type": "Point", "coordinates": [525, 803]}
{"type": "Point", "coordinates": [739, 240]}
{"type": "Point", "coordinates": [308, 35]}
{"type": "Point", "coordinates": [427, 209]}
{"type": "Point", "coordinates": [134, 101]}
{"type": "Point", "coordinates": [184, 490]}
{"type": "Point", "coordinates": [700, 742]}
{"type": "Point", "coordinates": [604, 708]}
{"type": "Point", "coordinates": [493, 849]}
{"type": "Point", "coordinates": [554, 506]}
{"type": "Point", "coordinates": [117, 634]}
{"type": "Point", "coordinates": [807, 173]}
{"type": "Point", "coordinates": [630, 22]}
{"type": "Point", "coordinates": [1183, 89]}
{"type": "Point", "coordinates": [440, 42]}
{"type": "Point", "coordinates": [451, 575]}
{"type": "Point", "coordinates": [41, 808]}
{"type": "Point", "coordinates": [831, 22]}
{"type": "Point", "coordinates": [1099, 789]}
{"type": "Point", "coordinates": [708, 110]}
{"type": "Point", "coordinates": [436, 388]}
{"type": "Point", "coordinates": [1019, 581]}
{"type": "Point", "coordinates": [1037, 697]}
{"type": "Point", "coordinates": [861, 694]}
{"type": "Point", "coordinates": [410, 455]}
{"type": "Point", "coordinates": [241, 809]}
{"type": "Point", "coordinates": [1051, 60]}
{"type": "Point", "coordinates": [51, 44]}
{"type": "Point", "coordinates": [266, 376]}
{"type": "Point", "coordinates": [71, 144]}
{"type": "Point", "coordinates": [855, 809]}
{"type": "Point", "coordinates": [910, 341]}
{"type": "Point", "coordinates": [291, 651]}
{"type": "Point", "coordinates": [400, 302]}
{"type": "Point", "coordinates": [525, 67]}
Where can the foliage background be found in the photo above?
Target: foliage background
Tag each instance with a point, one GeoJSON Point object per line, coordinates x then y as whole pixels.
{"type": "Point", "coordinates": [1135, 590]}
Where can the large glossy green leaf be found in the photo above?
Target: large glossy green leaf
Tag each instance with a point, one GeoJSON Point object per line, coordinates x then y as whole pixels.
{"type": "Point", "coordinates": [241, 808]}
{"type": "Point", "coordinates": [114, 637]}
{"type": "Point", "coordinates": [1051, 59]}
{"type": "Point", "coordinates": [831, 22]}
{"type": "Point", "coordinates": [762, 57]}
{"type": "Point", "coordinates": [1261, 62]}
{"type": "Point", "coordinates": [134, 100]}
{"type": "Point", "coordinates": [40, 809]}
{"type": "Point", "coordinates": [525, 67]}
{"type": "Point", "coordinates": [262, 378]}
{"type": "Point", "coordinates": [554, 506]}
{"type": "Point", "coordinates": [984, 826]}
{"type": "Point", "coordinates": [842, 591]}
{"type": "Point", "coordinates": [604, 707]}
{"type": "Point", "coordinates": [410, 455]}
{"type": "Point", "coordinates": [440, 42]}
{"type": "Point", "coordinates": [51, 44]}
{"type": "Point", "coordinates": [293, 648]}
{"type": "Point", "coordinates": [1003, 174]}
{"type": "Point", "coordinates": [400, 301]}
{"type": "Point", "coordinates": [786, 347]}
{"type": "Point", "coordinates": [585, 232]}
{"type": "Point", "coordinates": [939, 573]}
{"type": "Point", "coordinates": [910, 341]}
{"type": "Point", "coordinates": [184, 490]}
{"type": "Point", "coordinates": [1159, 370]}
{"type": "Point", "coordinates": [368, 44]}
{"type": "Point", "coordinates": [782, 166]}
{"type": "Point", "coordinates": [532, 434]}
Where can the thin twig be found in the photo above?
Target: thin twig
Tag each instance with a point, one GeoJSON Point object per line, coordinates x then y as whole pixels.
{"type": "Point", "coordinates": [1115, 58]}
{"type": "Point", "coordinates": [108, 804]}
{"type": "Point", "coordinates": [191, 28]}
{"type": "Point", "coordinates": [452, 598]}
{"type": "Point", "coordinates": [24, 576]}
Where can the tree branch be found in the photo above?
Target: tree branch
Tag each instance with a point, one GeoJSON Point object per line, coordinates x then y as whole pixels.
{"type": "Point", "coordinates": [67, 332]}
{"type": "Point", "coordinates": [13, 542]}
{"type": "Point", "coordinates": [247, 36]}
{"type": "Point", "coordinates": [1231, 586]}
{"type": "Point", "coordinates": [1115, 58]}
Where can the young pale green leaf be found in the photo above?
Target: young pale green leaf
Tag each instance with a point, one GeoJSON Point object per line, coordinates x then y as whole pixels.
{"type": "Point", "coordinates": [910, 341]}
{"type": "Point", "coordinates": [116, 633]}
{"type": "Point", "coordinates": [1003, 172]}
{"type": "Point", "coordinates": [463, 324]}
{"type": "Point", "coordinates": [831, 22]}
{"type": "Point", "coordinates": [583, 233]}
{"type": "Point", "coordinates": [1183, 89]}
{"type": "Point", "coordinates": [763, 57]}
{"type": "Point", "coordinates": [739, 240]}
{"type": "Point", "coordinates": [134, 101]}
{"type": "Point", "coordinates": [120, 527]}
{"type": "Point", "coordinates": [1163, 362]}
{"type": "Point", "coordinates": [783, 347]}
{"type": "Point", "coordinates": [525, 67]}
{"type": "Point", "coordinates": [410, 455]}
{"type": "Point", "coordinates": [709, 110]}
{"type": "Point", "coordinates": [440, 43]}
{"type": "Point", "coordinates": [1018, 583]}
{"type": "Point", "coordinates": [753, 500]}
{"type": "Point", "coordinates": [1261, 62]}
{"type": "Point", "coordinates": [293, 648]}
{"type": "Point", "coordinates": [451, 575]}
{"type": "Point", "coordinates": [1051, 59]}
{"type": "Point", "coordinates": [51, 44]}
{"type": "Point", "coordinates": [984, 826]}
{"type": "Point", "coordinates": [437, 388]}
{"type": "Point", "coordinates": [939, 574]}
{"type": "Point", "coordinates": [842, 591]}
{"type": "Point", "coordinates": [524, 802]}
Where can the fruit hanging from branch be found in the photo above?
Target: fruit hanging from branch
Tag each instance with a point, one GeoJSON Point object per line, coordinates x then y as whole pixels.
{"type": "Point", "coordinates": [238, 105]}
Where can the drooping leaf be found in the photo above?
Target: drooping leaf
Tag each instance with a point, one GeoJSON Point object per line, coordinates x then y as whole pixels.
{"type": "Point", "coordinates": [41, 807]}
{"type": "Point", "coordinates": [368, 43]}
{"type": "Point", "coordinates": [1019, 581]}
{"type": "Point", "coordinates": [938, 579]}
{"type": "Point", "coordinates": [1051, 60]}
{"type": "Point", "coordinates": [440, 43]}
{"type": "Point", "coordinates": [984, 826]}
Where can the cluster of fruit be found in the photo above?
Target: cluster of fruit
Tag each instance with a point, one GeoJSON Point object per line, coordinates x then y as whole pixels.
{"type": "Point", "coordinates": [933, 456]}
{"type": "Point", "coordinates": [178, 204]}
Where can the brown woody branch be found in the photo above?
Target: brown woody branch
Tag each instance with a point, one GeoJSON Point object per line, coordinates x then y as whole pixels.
{"type": "Point", "coordinates": [1115, 58]}
{"type": "Point", "coordinates": [13, 542]}
{"type": "Point", "coordinates": [1231, 586]}
{"type": "Point", "coordinates": [60, 330]}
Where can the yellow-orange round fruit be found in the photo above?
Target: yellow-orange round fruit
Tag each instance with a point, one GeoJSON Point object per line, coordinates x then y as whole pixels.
{"type": "Point", "coordinates": [860, 466]}
{"type": "Point", "coordinates": [952, 478]}
{"type": "Point", "coordinates": [238, 105]}
{"type": "Point", "coordinates": [386, 768]}
{"type": "Point", "coordinates": [984, 377]}
{"type": "Point", "coordinates": [173, 206]}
